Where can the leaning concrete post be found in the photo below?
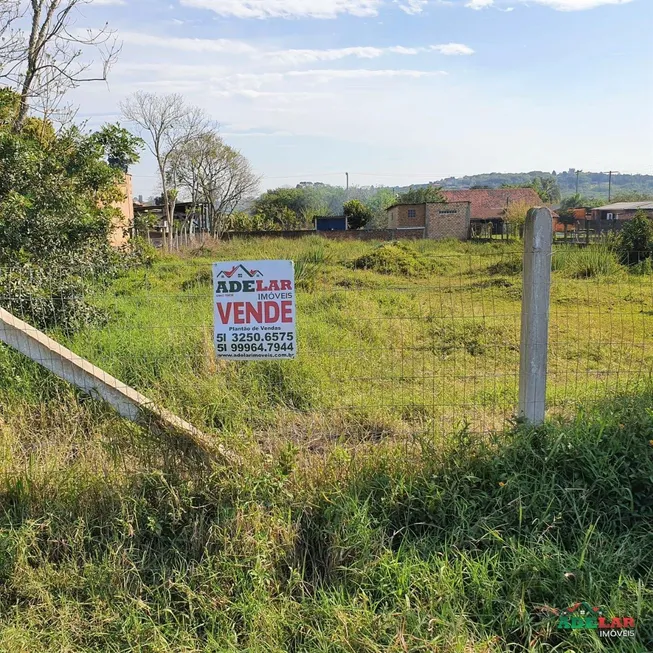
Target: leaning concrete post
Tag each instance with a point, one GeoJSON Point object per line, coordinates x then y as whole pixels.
{"type": "Point", "coordinates": [538, 240]}
{"type": "Point", "coordinates": [72, 368]}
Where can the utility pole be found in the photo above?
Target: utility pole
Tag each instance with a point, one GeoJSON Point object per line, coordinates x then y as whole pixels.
{"type": "Point", "coordinates": [577, 179]}
{"type": "Point", "coordinates": [610, 186]}
{"type": "Point", "coordinates": [347, 180]}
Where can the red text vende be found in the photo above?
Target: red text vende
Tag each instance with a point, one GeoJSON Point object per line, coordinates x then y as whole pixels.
{"type": "Point", "coordinates": [255, 312]}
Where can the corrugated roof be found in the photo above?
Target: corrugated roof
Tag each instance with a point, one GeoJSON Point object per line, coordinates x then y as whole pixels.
{"type": "Point", "coordinates": [626, 206]}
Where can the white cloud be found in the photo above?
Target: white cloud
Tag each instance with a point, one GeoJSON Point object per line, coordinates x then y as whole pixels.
{"type": "Point", "coordinates": [578, 5]}
{"type": "Point", "coordinates": [400, 49]}
{"type": "Point", "coordinates": [278, 96]}
{"type": "Point", "coordinates": [108, 2]}
{"type": "Point", "coordinates": [287, 8]}
{"type": "Point", "coordinates": [187, 45]}
{"type": "Point", "coordinates": [310, 56]}
{"type": "Point", "coordinates": [247, 81]}
{"type": "Point", "coordinates": [413, 6]}
{"type": "Point", "coordinates": [453, 49]}
{"type": "Point", "coordinates": [479, 4]}
{"type": "Point", "coordinates": [360, 73]}
{"type": "Point", "coordinates": [211, 78]}
{"type": "Point", "coordinates": [296, 57]}
{"type": "Point", "coordinates": [258, 134]}
{"type": "Point", "coordinates": [283, 57]}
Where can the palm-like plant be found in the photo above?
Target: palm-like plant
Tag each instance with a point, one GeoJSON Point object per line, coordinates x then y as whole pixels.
{"type": "Point", "coordinates": [547, 188]}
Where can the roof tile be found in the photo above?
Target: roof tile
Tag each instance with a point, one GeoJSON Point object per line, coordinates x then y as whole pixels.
{"type": "Point", "coordinates": [489, 203]}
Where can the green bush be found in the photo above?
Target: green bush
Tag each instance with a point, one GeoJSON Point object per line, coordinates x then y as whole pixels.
{"type": "Point", "coordinates": [635, 243]}
{"type": "Point", "coordinates": [60, 295]}
{"type": "Point", "coordinates": [58, 192]}
{"type": "Point", "coordinates": [394, 258]}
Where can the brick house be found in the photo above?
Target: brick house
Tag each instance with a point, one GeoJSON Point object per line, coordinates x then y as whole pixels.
{"type": "Point", "coordinates": [622, 210]}
{"type": "Point", "coordinates": [489, 204]}
{"type": "Point", "coordinates": [453, 218]}
{"type": "Point", "coordinates": [435, 220]}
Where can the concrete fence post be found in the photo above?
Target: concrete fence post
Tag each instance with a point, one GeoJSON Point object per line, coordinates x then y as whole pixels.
{"type": "Point", "coordinates": [538, 242]}
{"type": "Point", "coordinates": [96, 382]}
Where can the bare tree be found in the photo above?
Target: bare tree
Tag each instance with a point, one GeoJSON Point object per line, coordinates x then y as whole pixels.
{"type": "Point", "coordinates": [214, 174]}
{"type": "Point", "coordinates": [167, 123]}
{"type": "Point", "coordinates": [9, 12]}
{"type": "Point", "coordinates": [47, 59]}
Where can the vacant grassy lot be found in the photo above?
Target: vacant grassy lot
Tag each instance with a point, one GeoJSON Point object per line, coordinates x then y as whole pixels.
{"type": "Point", "coordinates": [393, 341]}
{"type": "Point", "coordinates": [367, 515]}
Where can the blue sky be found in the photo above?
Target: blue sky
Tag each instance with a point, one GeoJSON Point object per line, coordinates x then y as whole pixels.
{"type": "Point", "coordinates": [394, 91]}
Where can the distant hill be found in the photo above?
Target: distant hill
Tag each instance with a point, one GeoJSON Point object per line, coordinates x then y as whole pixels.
{"type": "Point", "coordinates": [590, 184]}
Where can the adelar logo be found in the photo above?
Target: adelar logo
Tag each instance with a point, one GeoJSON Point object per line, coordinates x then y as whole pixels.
{"type": "Point", "coordinates": [239, 272]}
{"type": "Point", "coordinates": [583, 616]}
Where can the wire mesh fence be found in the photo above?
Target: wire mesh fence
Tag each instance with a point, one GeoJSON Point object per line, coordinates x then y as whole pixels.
{"type": "Point", "coordinates": [399, 342]}
{"type": "Point", "coordinates": [601, 328]}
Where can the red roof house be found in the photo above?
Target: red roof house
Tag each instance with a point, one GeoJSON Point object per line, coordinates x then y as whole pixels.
{"type": "Point", "coordinates": [488, 204]}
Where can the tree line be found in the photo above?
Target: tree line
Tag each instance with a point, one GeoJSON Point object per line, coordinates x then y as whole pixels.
{"type": "Point", "coordinates": [594, 186]}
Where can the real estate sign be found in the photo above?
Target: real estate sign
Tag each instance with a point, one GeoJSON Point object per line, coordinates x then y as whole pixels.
{"type": "Point", "coordinates": [254, 306]}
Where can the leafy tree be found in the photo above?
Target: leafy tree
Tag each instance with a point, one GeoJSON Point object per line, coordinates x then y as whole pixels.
{"type": "Point", "coordinates": [358, 215]}
{"type": "Point", "coordinates": [243, 222]}
{"type": "Point", "coordinates": [424, 195]}
{"type": "Point", "coordinates": [573, 202]}
{"type": "Point", "coordinates": [56, 214]}
{"type": "Point", "coordinates": [120, 147]}
{"type": "Point", "coordinates": [282, 206]}
{"type": "Point", "coordinates": [144, 222]}
{"type": "Point", "coordinates": [515, 213]}
{"type": "Point", "coordinates": [378, 202]}
{"type": "Point", "coordinates": [632, 196]}
{"type": "Point", "coordinates": [547, 188]}
{"type": "Point", "coordinates": [579, 202]}
{"type": "Point", "coordinates": [635, 241]}
{"type": "Point", "coordinates": [287, 220]}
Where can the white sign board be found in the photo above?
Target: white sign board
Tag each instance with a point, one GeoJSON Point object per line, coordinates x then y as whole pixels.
{"type": "Point", "coordinates": [254, 306]}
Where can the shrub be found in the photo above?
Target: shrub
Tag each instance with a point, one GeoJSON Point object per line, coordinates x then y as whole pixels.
{"type": "Point", "coordinates": [635, 242]}
{"type": "Point", "coordinates": [56, 215]}
{"type": "Point", "coordinates": [643, 267]}
{"type": "Point", "coordinates": [53, 298]}
{"type": "Point", "coordinates": [516, 212]}
{"type": "Point", "coordinates": [507, 266]}
{"type": "Point", "coordinates": [394, 258]}
{"type": "Point", "coordinates": [357, 214]}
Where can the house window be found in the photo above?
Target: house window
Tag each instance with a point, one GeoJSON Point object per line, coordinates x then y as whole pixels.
{"type": "Point", "coordinates": [412, 213]}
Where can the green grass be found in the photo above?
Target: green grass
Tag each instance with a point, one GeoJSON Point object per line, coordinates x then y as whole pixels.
{"type": "Point", "coordinates": [587, 262]}
{"type": "Point", "coordinates": [111, 540]}
{"type": "Point", "coordinates": [384, 501]}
